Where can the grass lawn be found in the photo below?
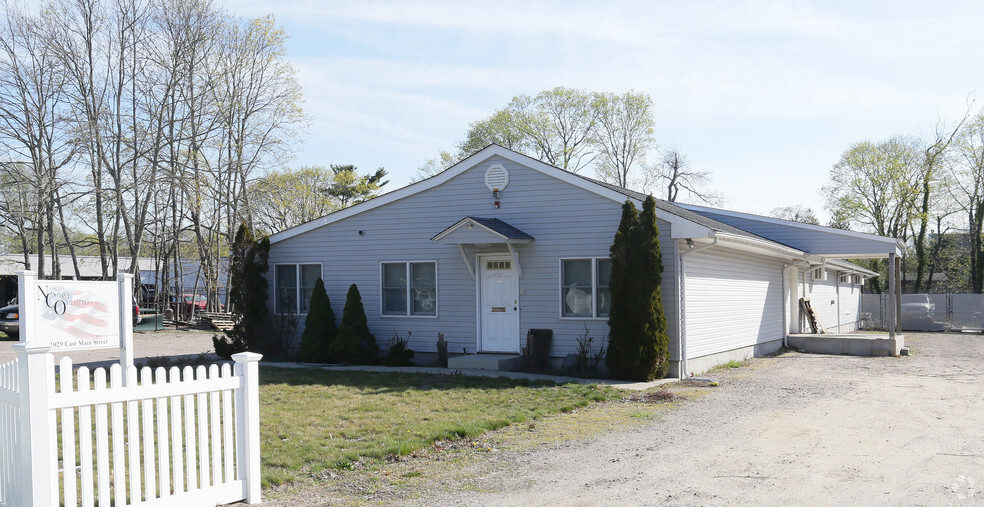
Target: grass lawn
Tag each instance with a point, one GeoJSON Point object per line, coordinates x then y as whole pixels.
{"type": "Point", "coordinates": [315, 420]}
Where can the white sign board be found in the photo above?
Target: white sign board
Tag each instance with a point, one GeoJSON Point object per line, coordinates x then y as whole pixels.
{"type": "Point", "coordinates": [77, 315]}
{"type": "Point", "coordinates": [66, 315]}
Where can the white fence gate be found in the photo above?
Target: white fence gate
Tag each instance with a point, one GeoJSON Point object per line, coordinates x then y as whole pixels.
{"type": "Point", "coordinates": [165, 437]}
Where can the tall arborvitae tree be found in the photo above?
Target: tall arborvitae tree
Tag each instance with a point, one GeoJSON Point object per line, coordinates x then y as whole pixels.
{"type": "Point", "coordinates": [638, 345]}
{"type": "Point", "coordinates": [654, 343]}
{"type": "Point", "coordinates": [247, 298]}
{"type": "Point", "coordinates": [354, 342]}
{"type": "Point", "coordinates": [622, 286]}
{"type": "Point", "coordinates": [319, 327]}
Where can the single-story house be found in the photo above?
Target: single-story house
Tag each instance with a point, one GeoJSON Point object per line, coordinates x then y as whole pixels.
{"type": "Point", "coordinates": [501, 243]}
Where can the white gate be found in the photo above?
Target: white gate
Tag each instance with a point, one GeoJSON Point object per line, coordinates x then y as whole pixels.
{"type": "Point", "coordinates": [165, 437]}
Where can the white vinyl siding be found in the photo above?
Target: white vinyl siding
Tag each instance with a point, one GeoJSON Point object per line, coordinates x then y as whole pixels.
{"type": "Point", "coordinates": [733, 300]}
{"type": "Point", "coordinates": [294, 285]}
{"type": "Point", "coordinates": [409, 289]}
{"type": "Point", "coordinates": [563, 219]}
{"type": "Point", "coordinates": [835, 300]}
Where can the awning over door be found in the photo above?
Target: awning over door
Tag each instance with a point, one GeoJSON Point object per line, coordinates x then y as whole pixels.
{"type": "Point", "coordinates": [479, 231]}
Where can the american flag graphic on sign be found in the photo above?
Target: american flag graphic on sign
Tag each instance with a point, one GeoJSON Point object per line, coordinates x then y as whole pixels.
{"type": "Point", "coordinates": [85, 316]}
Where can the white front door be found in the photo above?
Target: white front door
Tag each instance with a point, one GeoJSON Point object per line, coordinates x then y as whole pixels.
{"type": "Point", "coordinates": [499, 305]}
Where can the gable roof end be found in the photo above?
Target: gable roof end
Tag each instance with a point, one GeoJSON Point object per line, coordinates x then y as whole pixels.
{"type": "Point", "coordinates": [495, 228]}
{"type": "Point", "coordinates": [684, 223]}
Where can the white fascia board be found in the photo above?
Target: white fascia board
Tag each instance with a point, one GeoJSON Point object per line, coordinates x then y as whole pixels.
{"type": "Point", "coordinates": [759, 246]}
{"type": "Point", "coordinates": [687, 229]}
{"type": "Point", "coordinates": [844, 266]}
{"type": "Point", "coordinates": [462, 223]}
{"type": "Point", "coordinates": [384, 199]}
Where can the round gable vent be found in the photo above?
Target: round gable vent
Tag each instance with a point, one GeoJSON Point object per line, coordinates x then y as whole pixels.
{"type": "Point", "coordinates": [496, 177]}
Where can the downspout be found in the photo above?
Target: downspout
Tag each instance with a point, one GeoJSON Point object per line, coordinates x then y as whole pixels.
{"type": "Point", "coordinates": [682, 303]}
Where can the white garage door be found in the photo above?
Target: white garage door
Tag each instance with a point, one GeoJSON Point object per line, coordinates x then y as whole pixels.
{"type": "Point", "coordinates": [733, 300]}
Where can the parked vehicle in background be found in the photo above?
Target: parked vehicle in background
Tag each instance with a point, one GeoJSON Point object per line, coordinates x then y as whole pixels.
{"type": "Point", "coordinates": [10, 317]}
{"type": "Point", "coordinates": [921, 309]}
{"type": "Point", "coordinates": [196, 302]}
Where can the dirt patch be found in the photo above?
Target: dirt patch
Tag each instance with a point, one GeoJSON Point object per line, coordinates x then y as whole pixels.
{"type": "Point", "coordinates": [796, 428]}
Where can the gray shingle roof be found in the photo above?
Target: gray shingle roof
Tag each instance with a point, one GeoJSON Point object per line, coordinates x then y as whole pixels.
{"type": "Point", "coordinates": [501, 227]}
{"type": "Point", "coordinates": [680, 212]}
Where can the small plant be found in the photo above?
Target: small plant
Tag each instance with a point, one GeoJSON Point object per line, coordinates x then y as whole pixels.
{"type": "Point", "coordinates": [442, 351]}
{"type": "Point", "coordinates": [599, 356]}
{"type": "Point", "coordinates": [398, 351]}
{"type": "Point", "coordinates": [586, 358]}
{"type": "Point", "coordinates": [729, 365]}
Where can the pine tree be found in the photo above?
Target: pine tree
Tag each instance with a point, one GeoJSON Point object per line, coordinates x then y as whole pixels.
{"type": "Point", "coordinates": [319, 327]}
{"type": "Point", "coordinates": [354, 342]}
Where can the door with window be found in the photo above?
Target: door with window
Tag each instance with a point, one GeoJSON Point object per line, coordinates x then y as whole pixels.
{"type": "Point", "coordinates": [499, 304]}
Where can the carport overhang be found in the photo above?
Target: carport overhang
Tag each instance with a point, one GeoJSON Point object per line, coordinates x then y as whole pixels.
{"type": "Point", "coordinates": [865, 246]}
{"type": "Point", "coordinates": [828, 247]}
{"type": "Point", "coordinates": [819, 245]}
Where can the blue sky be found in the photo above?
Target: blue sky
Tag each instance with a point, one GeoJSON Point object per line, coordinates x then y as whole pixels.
{"type": "Point", "coordinates": [764, 94]}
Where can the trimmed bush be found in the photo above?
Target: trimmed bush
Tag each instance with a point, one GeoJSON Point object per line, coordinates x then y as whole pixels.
{"type": "Point", "coordinates": [354, 343]}
{"type": "Point", "coordinates": [319, 327]}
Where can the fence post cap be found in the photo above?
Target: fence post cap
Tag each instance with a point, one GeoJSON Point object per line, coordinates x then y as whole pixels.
{"type": "Point", "coordinates": [247, 357]}
{"type": "Point", "coordinates": [30, 348]}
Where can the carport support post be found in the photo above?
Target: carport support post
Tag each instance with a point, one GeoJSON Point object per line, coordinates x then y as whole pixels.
{"type": "Point", "coordinates": [893, 297]}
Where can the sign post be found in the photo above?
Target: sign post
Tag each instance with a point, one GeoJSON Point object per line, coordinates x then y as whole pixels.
{"type": "Point", "coordinates": [125, 282]}
{"type": "Point", "coordinates": [67, 315]}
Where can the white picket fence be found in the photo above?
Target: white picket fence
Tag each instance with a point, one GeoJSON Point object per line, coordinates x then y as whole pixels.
{"type": "Point", "coordinates": [163, 437]}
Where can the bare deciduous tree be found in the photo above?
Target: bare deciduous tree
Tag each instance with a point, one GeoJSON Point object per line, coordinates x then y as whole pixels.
{"type": "Point", "coordinates": [674, 173]}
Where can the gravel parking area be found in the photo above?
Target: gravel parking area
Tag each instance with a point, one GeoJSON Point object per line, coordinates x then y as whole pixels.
{"type": "Point", "coordinates": [146, 345]}
{"type": "Point", "coordinates": [795, 429]}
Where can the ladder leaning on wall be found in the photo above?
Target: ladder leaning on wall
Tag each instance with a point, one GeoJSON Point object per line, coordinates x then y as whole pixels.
{"type": "Point", "coordinates": [811, 316]}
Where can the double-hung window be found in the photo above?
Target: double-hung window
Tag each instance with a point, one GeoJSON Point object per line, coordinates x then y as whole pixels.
{"type": "Point", "coordinates": [584, 291]}
{"type": "Point", "coordinates": [409, 288]}
{"type": "Point", "coordinates": [295, 284]}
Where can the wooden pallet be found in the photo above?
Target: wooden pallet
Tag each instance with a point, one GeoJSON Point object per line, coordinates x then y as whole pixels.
{"type": "Point", "coordinates": [221, 321]}
{"type": "Point", "coordinates": [811, 316]}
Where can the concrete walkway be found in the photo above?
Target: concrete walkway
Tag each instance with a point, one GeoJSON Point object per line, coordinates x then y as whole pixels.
{"type": "Point", "coordinates": [433, 370]}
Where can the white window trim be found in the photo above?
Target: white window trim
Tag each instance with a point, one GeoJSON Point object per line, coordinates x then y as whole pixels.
{"type": "Point", "coordinates": [408, 314]}
{"type": "Point", "coordinates": [594, 287]}
{"type": "Point", "coordinates": [297, 289]}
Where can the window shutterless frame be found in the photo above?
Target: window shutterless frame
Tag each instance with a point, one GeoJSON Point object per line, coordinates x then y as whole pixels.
{"type": "Point", "coordinates": [289, 299]}
{"type": "Point", "coordinates": [595, 291]}
{"type": "Point", "coordinates": [406, 290]}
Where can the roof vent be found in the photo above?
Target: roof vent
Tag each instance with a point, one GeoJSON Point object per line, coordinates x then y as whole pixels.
{"type": "Point", "coordinates": [496, 177]}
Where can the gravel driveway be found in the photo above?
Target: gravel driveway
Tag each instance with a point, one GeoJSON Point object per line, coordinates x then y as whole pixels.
{"type": "Point", "coordinates": [796, 429]}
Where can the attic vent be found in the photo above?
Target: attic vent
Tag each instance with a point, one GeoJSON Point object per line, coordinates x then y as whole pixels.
{"type": "Point", "coordinates": [496, 177]}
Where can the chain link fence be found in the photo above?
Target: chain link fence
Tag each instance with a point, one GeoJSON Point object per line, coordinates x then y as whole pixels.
{"type": "Point", "coordinates": [926, 312]}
